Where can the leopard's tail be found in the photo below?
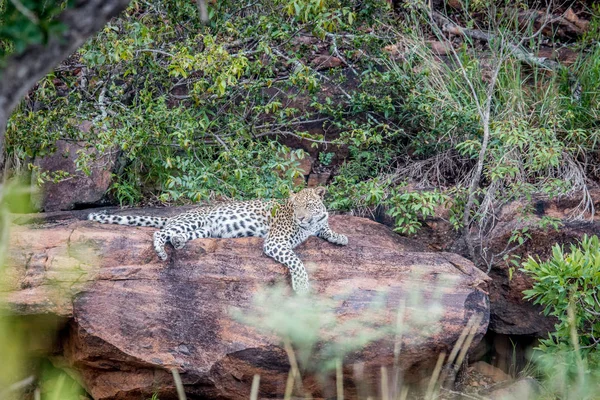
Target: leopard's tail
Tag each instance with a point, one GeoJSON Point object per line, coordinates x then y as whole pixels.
{"type": "Point", "coordinates": [103, 218]}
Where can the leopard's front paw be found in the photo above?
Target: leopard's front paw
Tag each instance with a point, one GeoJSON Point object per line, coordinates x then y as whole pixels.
{"type": "Point", "coordinates": [163, 255]}
{"type": "Point", "coordinates": [178, 241]}
{"type": "Point", "coordinates": [301, 287]}
{"type": "Point", "coordinates": [342, 240]}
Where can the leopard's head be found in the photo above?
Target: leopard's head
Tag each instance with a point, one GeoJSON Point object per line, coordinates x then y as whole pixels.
{"type": "Point", "coordinates": [309, 208]}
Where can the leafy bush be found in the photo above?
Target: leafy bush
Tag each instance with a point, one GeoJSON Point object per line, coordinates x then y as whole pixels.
{"type": "Point", "coordinates": [198, 111]}
{"type": "Point", "coordinates": [569, 283]}
{"type": "Point", "coordinates": [566, 285]}
{"type": "Point", "coordinates": [28, 22]}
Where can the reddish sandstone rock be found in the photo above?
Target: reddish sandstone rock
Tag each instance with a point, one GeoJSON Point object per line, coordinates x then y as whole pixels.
{"type": "Point", "coordinates": [133, 318]}
{"type": "Point", "coordinates": [79, 188]}
{"type": "Point", "coordinates": [510, 313]}
{"type": "Point", "coordinates": [326, 61]}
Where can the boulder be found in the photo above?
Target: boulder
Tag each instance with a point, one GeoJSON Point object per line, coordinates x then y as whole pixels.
{"type": "Point", "coordinates": [78, 189]}
{"type": "Point", "coordinates": [524, 388]}
{"type": "Point", "coordinates": [510, 314]}
{"type": "Point", "coordinates": [132, 318]}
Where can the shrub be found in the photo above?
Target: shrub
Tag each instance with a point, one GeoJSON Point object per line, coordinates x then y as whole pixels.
{"type": "Point", "coordinates": [568, 283]}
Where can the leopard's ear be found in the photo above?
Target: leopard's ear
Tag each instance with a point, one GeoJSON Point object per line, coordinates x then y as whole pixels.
{"type": "Point", "coordinates": [320, 190]}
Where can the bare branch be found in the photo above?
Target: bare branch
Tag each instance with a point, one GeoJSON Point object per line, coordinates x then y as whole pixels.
{"type": "Point", "coordinates": [515, 49]}
{"type": "Point", "coordinates": [298, 66]}
{"type": "Point", "coordinates": [203, 11]}
{"type": "Point", "coordinates": [285, 133]}
{"type": "Point", "coordinates": [164, 53]}
{"type": "Point", "coordinates": [336, 52]}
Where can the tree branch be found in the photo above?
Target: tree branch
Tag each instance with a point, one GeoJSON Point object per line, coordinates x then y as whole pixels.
{"type": "Point", "coordinates": [202, 11]}
{"type": "Point", "coordinates": [515, 50]}
{"type": "Point", "coordinates": [21, 72]}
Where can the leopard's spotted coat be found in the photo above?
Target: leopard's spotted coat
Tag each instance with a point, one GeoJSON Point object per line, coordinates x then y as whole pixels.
{"type": "Point", "coordinates": [283, 225]}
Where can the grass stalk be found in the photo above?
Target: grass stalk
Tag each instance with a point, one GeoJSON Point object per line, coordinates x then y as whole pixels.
{"type": "Point", "coordinates": [178, 384]}
{"type": "Point", "coordinates": [254, 388]}
{"type": "Point", "coordinates": [385, 390]}
{"type": "Point", "coordinates": [433, 380]}
{"type": "Point", "coordinates": [339, 379]}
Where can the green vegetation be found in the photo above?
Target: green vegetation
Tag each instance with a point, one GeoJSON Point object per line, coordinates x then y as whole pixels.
{"type": "Point", "coordinates": [196, 112]}
{"type": "Point", "coordinates": [569, 281]}
{"type": "Point", "coordinates": [567, 287]}
{"type": "Point", "coordinates": [430, 120]}
{"type": "Point", "coordinates": [24, 368]}
{"type": "Point", "coordinates": [320, 339]}
{"type": "Point", "coordinates": [28, 22]}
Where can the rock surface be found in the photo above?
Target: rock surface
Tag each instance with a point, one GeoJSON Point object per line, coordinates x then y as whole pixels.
{"type": "Point", "coordinates": [524, 388]}
{"type": "Point", "coordinates": [133, 318]}
{"type": "Point", "coordinates": [79, 188]}
{"type": "Point", "coordinates": [510, 314]}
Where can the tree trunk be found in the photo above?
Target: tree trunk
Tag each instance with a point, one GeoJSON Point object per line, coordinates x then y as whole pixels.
{"type": "Point", "coordinates": [22, 71]}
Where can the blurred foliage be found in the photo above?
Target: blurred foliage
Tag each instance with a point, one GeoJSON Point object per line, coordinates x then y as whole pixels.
{"type": "Point", "coordinates": [28, 22]}
{"type": "Point", "coordinates": [25, 341]}
{"type": "Point", "coordinates": [320, 338]}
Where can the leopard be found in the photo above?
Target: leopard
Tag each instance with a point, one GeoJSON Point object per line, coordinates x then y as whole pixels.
{"type": "Point", "coordinates": [284, 225]}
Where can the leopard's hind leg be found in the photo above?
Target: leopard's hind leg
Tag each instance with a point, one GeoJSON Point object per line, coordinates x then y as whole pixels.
{"type": "Point", "coordinates": [160, 238]}
{"type": "Point", "coordinates": [180, 239]}
{"type": "Point", "coordinates": [178, 236]}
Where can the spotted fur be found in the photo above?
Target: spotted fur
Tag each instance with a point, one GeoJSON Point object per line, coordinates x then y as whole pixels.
{"type": "Point", "coordinates": [283, 225]}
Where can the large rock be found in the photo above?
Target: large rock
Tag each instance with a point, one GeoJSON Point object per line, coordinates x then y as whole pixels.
{"type": "Point", "coordinates": [78, 189]}
{"type": "Point", "coordinates": [510, 313]}
{"type": "Point", "coordinates": [133, 318]}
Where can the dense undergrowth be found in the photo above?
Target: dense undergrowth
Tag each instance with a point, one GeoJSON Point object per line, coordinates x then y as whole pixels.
{"type": "Point", "coordinates": [197, 112]}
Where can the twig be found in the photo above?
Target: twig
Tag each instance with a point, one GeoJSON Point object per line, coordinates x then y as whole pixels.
{"type": "Point", "coordinates": [203, 11]}
{"type": "Point", "coordinates": [460, 348]}
{"type": "Point", "coordinates": [102, 106]}
{"type": "Point", "coordinates": [294, 368]}
{"type": "Point", "coordinates": [284, 133]}
{"type": "Point", "coordinates": [385, 387]}
{"type": "Point", "coordinates": [302, 122]}
{"type": "Point", "coordinates": [254, 388]}
{"type": "Point", "coordinates": [154, 51]}
{"type": "Point", "coordinates": [22, 384]}
{"type": "Point", "coordinates": [25, 11]}
{"type": "Point", "coordinates": [299, 66]}
{"type": "Point", "coordinates": [434, 376]}
{"type": "Point", "coordinates": [338, 55]}
{"type": "Point", "coordinates": [515, 50]}
{"type": "Point", "coordinates": [339, 379]}
{"type": "Point", "coordinates": [221, 142]}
